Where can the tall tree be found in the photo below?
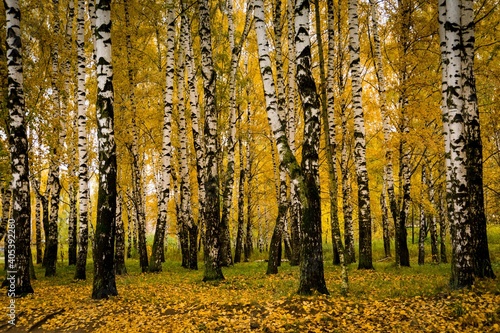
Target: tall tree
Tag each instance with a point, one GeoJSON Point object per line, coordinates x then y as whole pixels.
{"type": "Point", "coordinates": [166, 151]}
{"type": "Point", "coordinates": [104, 284]}
{"type": "Point", "coordinates": [295, 205]}
{"type": "Point", "coordinates": [474, 146]}
{"type": "Point", "coordinates": [386, 125]}
{"type": "Point", "coordinates": [462, 267]}
{"type": "Point", "coordinates": [137, 186]}
{"type": "Point", "coordinates": [18, 142]}
{"type": "Point", "coordinates": [83, 180]}
{"type": "Point", "coordinates": [364, 211]}
{"type": "Point", "coordinates": [211, 218]}
{"type": "Point", "coordinates": [53, 181]}
{"type": "Point", "coordinates": [328, 114]}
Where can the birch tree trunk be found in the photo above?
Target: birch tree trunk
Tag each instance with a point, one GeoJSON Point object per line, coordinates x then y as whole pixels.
{"type": "Point", "coordinates": [385, 221]}
{"type": "Point", "coordinates": [241, 203]}
{"type": "Point", "coordinates": [104, 284]}
{"type": "Point", "coordinates": [364, 213]}
{"type": "Point", "coordinates": [432, 216]}
{"type": "Point", "coordinates": [388, 168]}
{"type": "Point", "coordinates": [195, 114]}
{"type": "Point", "coordinates": [68, 96]}
{"type": "Point", "coordinates": [155, 260]}
{"type": "Point", "coordinates": [474, 147]}
{"type": "Point", "coordinates": [462, 267]}
{"type": "Point", "coordinates": [53, 181]}
{"type": "Point", "coordinates": [120, 267]}
{"type": "Point", "coordinates": [186, 213]}
{"type": "Point", "coordinates": [295, 205]}
{"type": "Point", "coordinates": [83, 187]}
{"type": "Point", "coordinates": [311, 266]}
{"type": "Point", "coordinates": [248, 247]}
{"type": "Point", "coordinates": [330, 136]}
{"type": "Point", "coordinates": [312, 273]}
{"type": "Point", "coordinates": [423, 222]}
{"type": "Point", "coordinates": [137, 184]}
{"type": "Point", "coordinates": [213, 270]}
{"type": "Point", "coordinates": [18, 143]}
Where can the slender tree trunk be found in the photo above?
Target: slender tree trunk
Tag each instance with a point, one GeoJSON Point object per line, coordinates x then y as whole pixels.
{"type": "Point", "coordinates": [275, 246]}
{"type": "Point", "coordinates": [186, 214]}
{"type": "Point", "coordinates": [53, 182]}
{"type": "Point", "coordinates": [385, 222]}
{"type": "Point", "coordinates": [248, 247]}
{"type": "Point", "coordinates": [423, 222]}
{"type": "Point", "coordinates": [432, 216]}
{"type": "Point", "coordinates": [195, 114]}
{"type": "Point", "coordinates": [364, 213]}
{"type": "Point", "coordinates": [213, 270]}
{"type": "Point", "coordinates": [155, 260]}
{"type": "Point", "coordinates": [38, 229]}
{"type": "Point", "coordinates": [104, 284]}
{"type": "Point", "coordinates": [137, 187]}
{"type": "Point", "coordinates": [295, 205]}
{"type": "Point", "coordinates": [442, 229]}
{"type": "Point", "coordinates": [388, 169]}
{"type": "Point", "coordinates": [120, 267]}
{"type": "Point", "coordinates": [241, 204]}
{"type": "Point", "coordinates": [83, 187]}
{"type": "Point", "coordinates": [18, 142]}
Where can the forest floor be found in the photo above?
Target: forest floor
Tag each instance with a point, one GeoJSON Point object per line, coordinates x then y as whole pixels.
{"type": "Point", "coordinates": [387, 299]}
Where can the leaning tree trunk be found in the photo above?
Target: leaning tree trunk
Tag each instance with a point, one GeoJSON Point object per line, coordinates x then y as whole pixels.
{"type": "Point", "coordinates": [474, 148]}
{"type": "Point", "coordinates": [312, 273]}
{"type": "Point", "coordinates": [328, 114]}
{"type": "Point", "coordinates": [462, 266]}
{"type": "Point", "coordinates": [104, 266]}
{"type": "Point", "coordinates": [155, 260]}
{"type": "Point", "coordinates": [211, 217]}
{"type": "Point", "coordinates": [364, 213]}
{"type": "Point", "coordinates": [18, 142]}
{"type": "Point", "coordinates": [83, 180]}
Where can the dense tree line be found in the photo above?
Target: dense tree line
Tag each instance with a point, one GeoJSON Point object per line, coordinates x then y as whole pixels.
{"type": "Point", "coordinates": [257, 125]}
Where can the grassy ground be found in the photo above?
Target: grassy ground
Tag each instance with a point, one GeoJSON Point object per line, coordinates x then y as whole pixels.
{"type": "Point", "coordinates": [388, 299]}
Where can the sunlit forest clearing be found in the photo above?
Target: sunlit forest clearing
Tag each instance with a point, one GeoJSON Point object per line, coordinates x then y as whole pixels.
{"type": "Point", "coordinates": [416, 299]}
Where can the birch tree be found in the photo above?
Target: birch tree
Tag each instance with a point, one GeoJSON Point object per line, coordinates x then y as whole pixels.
{"type": "Point", "coordinates": [474, 147]}
{"type": "Point", "coordinates": [104, 284]}
{"type": "Point", "coordinates": [462, 269]}
{"type": "Point", "coordinates": [18, 142]}
{"type": "Point", "coordinates": [166, 152]}
{"type": "Point", "coordinates": [364, 212]}
{"type": "Point", "coordinates": [213, 270]}
{"type": "Point", "coordinates": [305, 176]}
{"type": "Point", "coordinates": [83, 187]}
{"type": "Point", "coordinates": [137, 184]}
